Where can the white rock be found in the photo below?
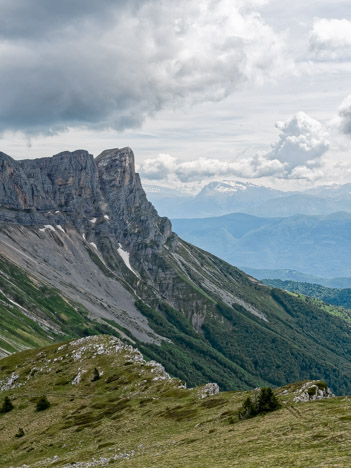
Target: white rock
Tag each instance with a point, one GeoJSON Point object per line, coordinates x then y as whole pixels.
{"type": "Point", "coordinates": [310, 391]}
{"type": "Point", "coordinates": [209, 389]}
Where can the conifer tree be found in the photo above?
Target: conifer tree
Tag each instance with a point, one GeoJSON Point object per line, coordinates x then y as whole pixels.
{"type": "Point", "coordinates": [267, 401]}
{"type": "Point", "coordinates": [248, 409]}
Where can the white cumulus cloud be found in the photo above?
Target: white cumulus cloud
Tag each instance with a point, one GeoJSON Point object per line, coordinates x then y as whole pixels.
{"type": "Point", "coordinates": [330, 39]}
{"type": "Point", "coordinates": [158, 168]}
{"type": "Point", "coordinates": [298, 153]}
{"type": "Point", "coordinates": [303, 140]}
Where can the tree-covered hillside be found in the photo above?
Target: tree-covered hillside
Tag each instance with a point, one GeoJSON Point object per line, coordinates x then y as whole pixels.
{"type": "Point", "coordinates": [334, 296]}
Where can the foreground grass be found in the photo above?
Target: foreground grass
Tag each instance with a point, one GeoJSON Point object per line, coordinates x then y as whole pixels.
{"type": "Point", "coordinates": [134, 416]}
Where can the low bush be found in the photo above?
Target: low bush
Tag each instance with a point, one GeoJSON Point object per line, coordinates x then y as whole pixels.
{"type": "Point", "coordinates": [20, 433]}
{"type": "Point", "coordinates": [7, 405]}
{"type": "Point", "coordinates": [265, 402]}
{"type": "Point", "coordinates": [43, 403]}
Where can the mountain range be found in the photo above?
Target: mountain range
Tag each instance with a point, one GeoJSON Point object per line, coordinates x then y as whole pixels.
{"type": "Point", "coordinates": [220, 198]}
{"type": "Point", "coordinates": [294, 275]}
{"type": "Point", "coordinates": [84, 252]}
{"type": "Point", "coordinates": [313, 245]}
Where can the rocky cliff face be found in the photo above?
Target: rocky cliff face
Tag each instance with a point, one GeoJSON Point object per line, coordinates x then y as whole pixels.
{"type": "Point", "coordinates": [59, 218]}
{"type": "Point", "coordinates": [73, 188]}
{"type": "Point", "coordinates": [84, 228]}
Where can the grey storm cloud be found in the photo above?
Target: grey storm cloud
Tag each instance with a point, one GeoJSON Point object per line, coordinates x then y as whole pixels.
{"type": "Point", "coordinates": [112, 63]}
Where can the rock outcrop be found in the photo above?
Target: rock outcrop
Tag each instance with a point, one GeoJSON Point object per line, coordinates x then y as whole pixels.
{"type": "Point", "coordinates": [314, 390]}
{"type": "Point", "coordinates": [73, 188]}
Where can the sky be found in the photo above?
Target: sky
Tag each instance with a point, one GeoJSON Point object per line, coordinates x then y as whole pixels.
{"type": "Point", "coordinates": [249, 90]}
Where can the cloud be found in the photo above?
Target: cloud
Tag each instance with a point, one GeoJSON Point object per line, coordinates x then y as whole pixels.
{"type": "Point", "coordinates": [112, 63]}
{"type": "Point", "coordinates": [302, 140]}
{"type": "Point", "coordinates": [167, 167]}
{"type": "Point", "coordinates": [344, 119]}
{"type": "Point", "coordinates": [330, 39]}
{"type": "Point", "coordinates": [297, 154]}
{"type": "Point", "coordinates": [160, 167]}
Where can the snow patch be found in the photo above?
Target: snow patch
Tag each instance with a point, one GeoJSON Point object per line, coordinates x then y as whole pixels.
{"type": "Point", "coordinates": [125, 257]}
{"type": "Point", "coordinates": [106, 217]}
{"type": "Point", "coordinates": [94, 245]}
{"type": "Point", "coordinates": [47, 226]}
{"type": "Point", "coordinates": [61, 228]}
{"type": "Point", "coordinates": [93, 220]}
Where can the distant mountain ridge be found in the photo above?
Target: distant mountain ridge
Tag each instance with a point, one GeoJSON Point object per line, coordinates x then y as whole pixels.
{"type": "Point", "coordinates": [294, 275]}
{"type": "Point", "coordinates": [220, 198]}
{"type": "Point", "coordinates": [313, 245]}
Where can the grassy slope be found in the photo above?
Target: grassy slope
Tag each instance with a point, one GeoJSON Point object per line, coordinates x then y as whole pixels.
{"type": "Point", "coordinates": [139, 420]}
{"type": "Point", "coordinates": [33, 314]}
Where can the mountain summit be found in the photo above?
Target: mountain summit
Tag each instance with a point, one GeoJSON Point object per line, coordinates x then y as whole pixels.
{"type": "Point", "coordinates": [83, 252]}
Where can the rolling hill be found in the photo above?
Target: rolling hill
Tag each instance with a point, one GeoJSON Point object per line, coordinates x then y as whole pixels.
{"type": "Point", "coordinates": [110, 407]}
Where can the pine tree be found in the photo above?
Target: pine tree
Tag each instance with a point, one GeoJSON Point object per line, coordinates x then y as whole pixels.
{"type": "Point", "coordinates": [248, 410]}
{"type": "Point", "coordinates": [267, 401]}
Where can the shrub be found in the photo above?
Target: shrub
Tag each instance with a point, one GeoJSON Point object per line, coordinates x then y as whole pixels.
{"type": "Point", "coordinates": [248, 410]}
{"type": "Point", "coordinates": [322, 385]}
{"type": "Point", "coordinates": [96, 375]}
{"type": "Point", "coordinates": [20, 433]}
{"type": "Point", "coordinates": [7, 405]}
{"type": "Point", "coordinates": [267, 401]}
{"type": "Point", "coordinates": [43, 403]}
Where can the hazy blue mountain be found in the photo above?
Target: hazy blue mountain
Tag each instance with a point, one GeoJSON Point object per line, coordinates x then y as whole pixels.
{"type": "Point", "coordinates": [168, 202]}
{"type": "Point", "coordinates": [314, 245]}
{"type": "Point", "coordinates": [215, 198]}
{"type": "Point", "coordinates": [220, 198]}
{"type": "Point", "coordinates": [300, 203]}
{"type": "Point", "coordinates": [293, 275]}
{"type": "Point", "coordinates": [332, 191]}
